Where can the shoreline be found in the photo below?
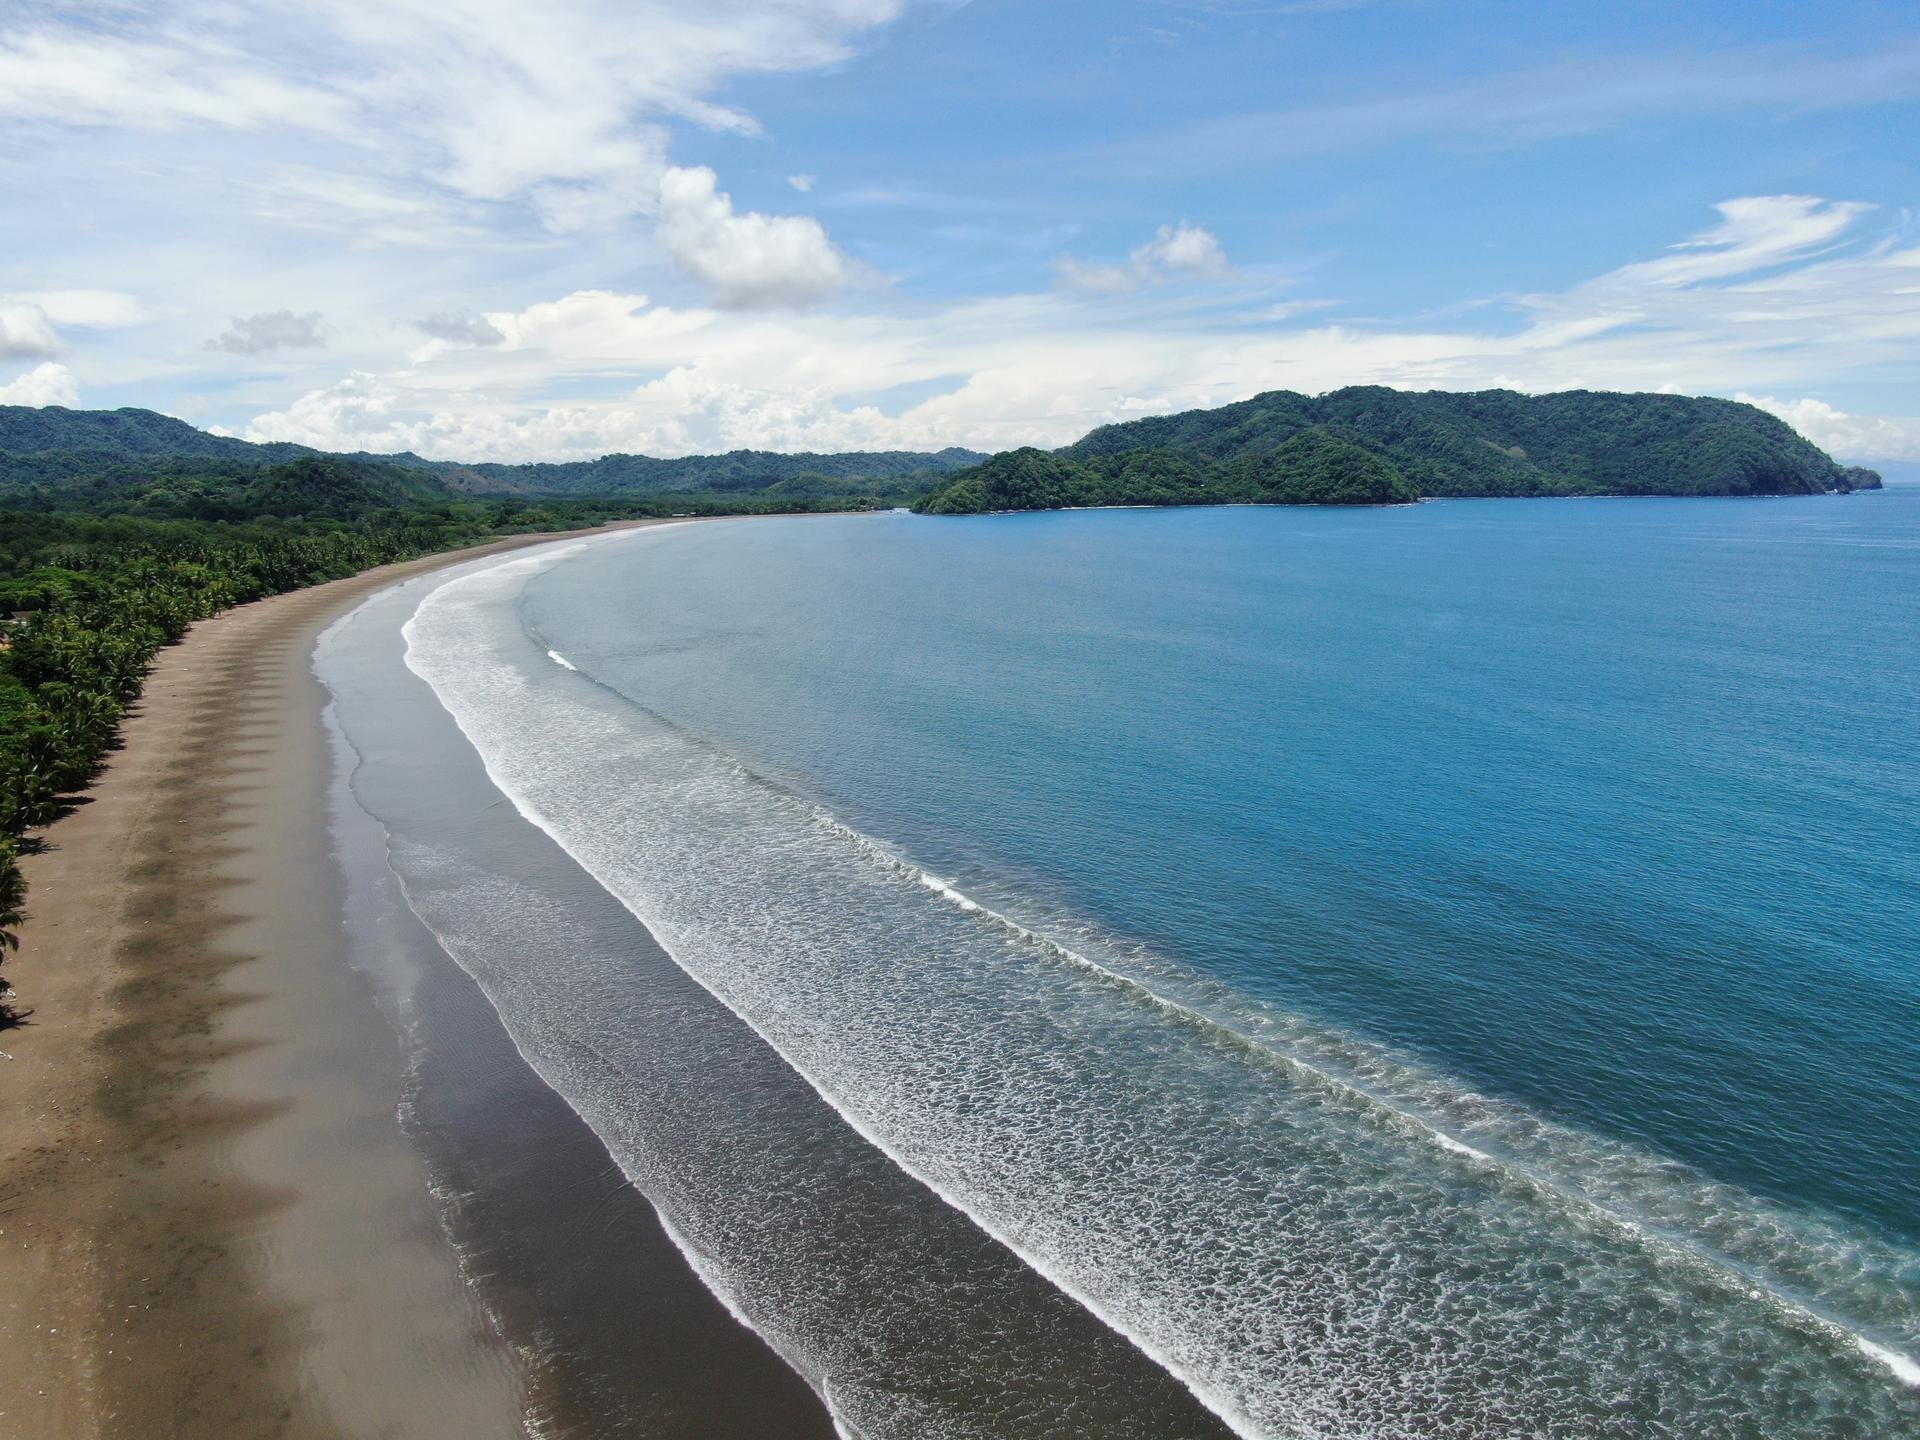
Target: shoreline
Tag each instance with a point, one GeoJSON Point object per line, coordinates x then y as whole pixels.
{"type": "Point", "coordinates": [211, 1220]}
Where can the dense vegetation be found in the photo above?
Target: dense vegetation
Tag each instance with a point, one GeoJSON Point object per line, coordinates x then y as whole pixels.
{"type": "Point", "coordinates": [1369, 445]}
{"type": "Point", "coordinates": [98, 572]}
{"type": "Point", "coordinates": [1313, 467]}
{"type": "Point", "coordinates": [118, 529]}
{"type": "Point", "coordinates": [899, 473]}
{"type": "Point", "coordinates": [51, 446]}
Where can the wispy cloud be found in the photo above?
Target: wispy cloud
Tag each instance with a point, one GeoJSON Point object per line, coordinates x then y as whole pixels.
{"type": "Point", "coordinates": [1563, 98]}
{"type": "Point", "coordinates": [560, 106]}
{"type": "Point", "coordinates": [85, 309]}
{"type": "Point", "coordinates": [1765, 304]}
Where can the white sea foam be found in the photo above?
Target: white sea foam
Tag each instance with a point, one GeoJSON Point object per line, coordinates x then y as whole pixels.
{"type": "Point", "coordinates": [561, 660]}
{"type": "Point", "coordinates": [1906, 1370]}
{"type": "Point", "coordinates": [1286, 1240]}
{"type": "Point", "coordinates": [1448, 1143]}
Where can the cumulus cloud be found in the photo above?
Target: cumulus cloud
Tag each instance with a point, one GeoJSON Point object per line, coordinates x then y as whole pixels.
{"type": "Point", "coordinates": [25, 331]}
{"type": "Point", "coordinates": [1185, 249]}
{"type": "Point", "coordinates": [269, 331]}
{"type": "Point", "coordinates": [353, 413]}
{"type": "Point", "coordinates": [1176, 251]}
{"type": "Point", "coordinates": [803, 183]}
{"type": "Point", "coordinates": [1851, 437]}
{"type": "Point", "coordinates": [47, 384]}
{"type": "Point", "coordinates": [1044, 369]}
{"type": "Point", "coordinates": [749, 259]}
{"type": "Point", "coordinates": [468, 329]}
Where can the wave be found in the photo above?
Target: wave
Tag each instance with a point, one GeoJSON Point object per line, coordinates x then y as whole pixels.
{"type": "Point", "coordinates": [1743, 1216]}
{"type": "Point", "coordinates": [1315, 1238]}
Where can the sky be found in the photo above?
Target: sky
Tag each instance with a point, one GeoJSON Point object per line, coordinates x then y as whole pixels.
{"type": "Point", "coordinates": [507, 231]}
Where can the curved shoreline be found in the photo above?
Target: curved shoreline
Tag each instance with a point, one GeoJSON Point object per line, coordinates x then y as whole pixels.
{"type": "Point", "coordinates": [210, 1219]}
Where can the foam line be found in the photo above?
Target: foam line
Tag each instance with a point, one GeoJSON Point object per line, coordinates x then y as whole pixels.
{"type": "Point", "coordinates": [1211, 1222]}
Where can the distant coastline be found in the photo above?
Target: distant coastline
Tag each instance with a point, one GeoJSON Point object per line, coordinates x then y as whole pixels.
{"type": "Point", "coordinates": [1369, 445]}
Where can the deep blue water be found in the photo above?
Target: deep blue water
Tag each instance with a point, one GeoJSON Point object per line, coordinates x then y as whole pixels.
{"type": "Point", "coordinates": [1447, 971]}
{"type": "Point", "coordinates": [1608, 808]}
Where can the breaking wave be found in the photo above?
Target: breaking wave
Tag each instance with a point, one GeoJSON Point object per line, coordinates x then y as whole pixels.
{"type": "Point", "coordinates": [1319, 1237]}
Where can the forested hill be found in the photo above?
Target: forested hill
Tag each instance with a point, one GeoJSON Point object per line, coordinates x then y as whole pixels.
{"type": "Point", "coordinates": [54, 448]}
{"type": "Point", "coordinates": [1286, 448]}
{"type": "Point", "coordinates": [123, 435]}
{"type": "Point", "coordinates": [735, 471]}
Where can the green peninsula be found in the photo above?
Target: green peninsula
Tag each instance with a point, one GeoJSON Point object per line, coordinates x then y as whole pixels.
{"type": "Point", "coordinates": [1369, 445]}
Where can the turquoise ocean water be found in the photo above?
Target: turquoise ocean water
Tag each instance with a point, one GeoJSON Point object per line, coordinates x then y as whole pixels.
{"type": "Point", "coordinates": [1450, 970]}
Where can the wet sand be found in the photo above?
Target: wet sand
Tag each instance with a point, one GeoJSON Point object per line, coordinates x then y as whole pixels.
{"type": "Point", "coordinates": [211, 1220]}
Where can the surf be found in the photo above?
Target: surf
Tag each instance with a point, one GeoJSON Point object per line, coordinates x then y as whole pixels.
{"type": "Point", "coordinates": [686, 813]}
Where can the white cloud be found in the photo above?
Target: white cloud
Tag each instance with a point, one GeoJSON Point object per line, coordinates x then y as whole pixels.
{"type": "Point", "coordinates": [560, 107]}
{"type": "Point", "coordinates": [269, 331]}
{"type": "Point", "coordinates": [87, 309]}
{"type": "Point", "coordinates": [25, 331]}
{"type": "Point", "coordinates": [1045, 368]}
{"type": "Point", "coordinates": [803, 183]}
{"type": "Point", "coordinates": [48, 384]}
{"type": "Point", "coordinates": [1185, 249]}
{"type": "Point", "coordinates": [1088, 278]}
{"type": "Point", "coordinates": [1782, 281]}
{"type": "Point", "coordinates": [1577, 94]}
{"type": "Point", "coordinates": [354, 413]}
{"type": "Point", "coordinates": [88, 75]}
{"type": "Point", "coordinates": [1175, 251]}
{"type": "Point", "coordinates": [1850, 437]}
{"type": "Point", "coordinates": [1754, 232]}
{"type": "Point", "coordinates": [749, 259]}
{"type": "Point", "coordinates": [28, 319]}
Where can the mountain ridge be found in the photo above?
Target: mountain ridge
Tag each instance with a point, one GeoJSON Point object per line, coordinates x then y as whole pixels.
{"type": "Point", "coordinates": [1356, 445]}
{"type": "Point", "coordinates": [57, 446]}
{"type": "Point", "coordinates": [1283, 447]}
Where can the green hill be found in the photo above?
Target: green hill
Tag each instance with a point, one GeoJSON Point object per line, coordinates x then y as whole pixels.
{"type": "Point", "coordinates": [122, 434]}
{"type": "Point", "coordinates": [1365, 445]}
{"type": "Point", "coordinates": [1372, 445]}
{"type": "Point", "coordinates": [55, 448]}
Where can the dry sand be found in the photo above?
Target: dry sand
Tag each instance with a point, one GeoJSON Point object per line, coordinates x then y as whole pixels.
{"type": "Point", "coordinates": [211, 1223]}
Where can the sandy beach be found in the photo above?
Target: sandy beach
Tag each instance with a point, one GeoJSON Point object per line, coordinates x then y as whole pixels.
{"type": "Point", "coordinates": [211, 1222]}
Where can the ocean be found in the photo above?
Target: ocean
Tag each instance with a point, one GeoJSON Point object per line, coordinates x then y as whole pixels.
{"type": "Point", "coordinates": [1438, 971]}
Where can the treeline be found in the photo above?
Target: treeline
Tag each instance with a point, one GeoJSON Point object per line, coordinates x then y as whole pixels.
{"type": "Point", "coordinates": [50, 446]}
{"type": "Point", "coordinates": [897, 473]}
{"type": "Point", "coordinates": [1287, 448]}
{"type": "Point", "coordinates": [95, 580]}
{"type": "Point", "coordinates": [1312, 467]}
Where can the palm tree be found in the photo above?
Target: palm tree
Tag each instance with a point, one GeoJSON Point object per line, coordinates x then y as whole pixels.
{"type": "Point", "coordinates": [13, 896]}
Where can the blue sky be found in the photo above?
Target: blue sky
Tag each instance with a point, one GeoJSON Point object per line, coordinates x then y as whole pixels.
{"type": "Point", "coordinates": [490, 231]}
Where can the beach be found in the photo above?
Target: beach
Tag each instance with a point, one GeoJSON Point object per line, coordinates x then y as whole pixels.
{"type": "Point", "coordinates": [563, 995]}
{"type": "Point", "coordinates": [211, 1221]}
